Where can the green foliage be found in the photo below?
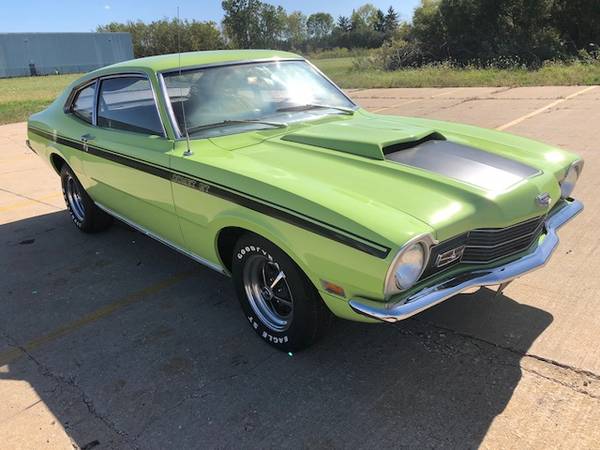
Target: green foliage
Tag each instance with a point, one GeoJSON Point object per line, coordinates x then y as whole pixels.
{"type": "Point", "coordinates": [578, 23]}
{"type": "Point", "coordinates": [483, 33]}
{"type": "Point", "coordinates": [296, 29]}
{"type": "Point", "coordinates": [319, 25]}
{"type": "Point", "coordinates": [343, 24]}
{"type": "Point", "coordinates": [444, 74]}
{"type": "Point", "coordinates": [522, 32]}
{"type": "Point", "coordinates": [390, 21]}
{"type": "Point", "coordinates": [253, 24]}
{"type": "Point", "coordinates": [162, 36]}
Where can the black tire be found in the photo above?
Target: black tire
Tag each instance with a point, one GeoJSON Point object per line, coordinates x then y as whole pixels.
{"type": "Point", "coordinates": [310, 318]}
{"type": "Point", "coordinates": [85, 214]}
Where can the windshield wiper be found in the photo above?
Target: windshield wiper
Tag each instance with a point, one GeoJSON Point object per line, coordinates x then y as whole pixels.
{"type": "Point", "coordinates": [308, 106]}
{"type": "Point", "coordinates": [226, 123]}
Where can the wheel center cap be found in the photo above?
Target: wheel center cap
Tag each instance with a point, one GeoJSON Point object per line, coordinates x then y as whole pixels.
{"type": "Point", "coordinates": [266, 292]}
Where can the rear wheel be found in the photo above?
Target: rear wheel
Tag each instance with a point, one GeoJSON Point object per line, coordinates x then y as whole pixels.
{"type": "Point", "coordinates": [85, 214]}
{"type": "Point", "coordinates": [280, 303]}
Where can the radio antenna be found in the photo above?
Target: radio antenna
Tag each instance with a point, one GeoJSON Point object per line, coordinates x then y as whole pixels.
{"type": "Point", "coordinates": [188, 151]}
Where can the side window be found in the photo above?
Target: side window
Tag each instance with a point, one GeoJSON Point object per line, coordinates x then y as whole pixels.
{"type": "Point", "coordinates": [83, 105]}
{"type": "Point", "coordinates": [127, 103]}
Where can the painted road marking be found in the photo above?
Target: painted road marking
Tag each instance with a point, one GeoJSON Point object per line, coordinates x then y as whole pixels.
{"type": "Point", "coordinates": [15, 353]}
{"type": "Point", "coordinates": [544, 108]}
{"type": "Point", "coordinates": [31, 201]}
{"type": "Point", "coordinates": [408, 102]}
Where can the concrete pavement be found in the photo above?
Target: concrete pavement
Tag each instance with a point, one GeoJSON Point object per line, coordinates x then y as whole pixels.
{"type": "Point", "coordinates": [114, 341]}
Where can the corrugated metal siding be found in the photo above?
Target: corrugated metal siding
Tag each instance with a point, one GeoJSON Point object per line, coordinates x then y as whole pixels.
{"type": "Point", "coordinates": [61, 52]}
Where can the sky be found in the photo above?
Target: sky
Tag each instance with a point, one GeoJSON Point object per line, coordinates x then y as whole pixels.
{"type": "Point", "coordinates": [85, 15]}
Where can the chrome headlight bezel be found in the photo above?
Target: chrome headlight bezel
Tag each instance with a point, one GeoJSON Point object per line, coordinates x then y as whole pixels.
{"type": "Point", "coordinates": [570, 178]}
{"type": "Point", "coordinates": [391, 287]}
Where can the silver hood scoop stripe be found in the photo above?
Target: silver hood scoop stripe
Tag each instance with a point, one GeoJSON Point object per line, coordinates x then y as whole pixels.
{"type": "Point", "coordinates": [469, 165]}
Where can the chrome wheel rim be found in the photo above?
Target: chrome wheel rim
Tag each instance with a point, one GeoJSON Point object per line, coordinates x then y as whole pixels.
{"type": "Point", "coordinates": [268, 292]}
{"type": "Point", "coordinates": [74, 199]}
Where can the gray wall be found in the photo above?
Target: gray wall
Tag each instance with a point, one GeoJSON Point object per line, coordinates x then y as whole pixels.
{"type": "Point", "coordinates": [62, 52]}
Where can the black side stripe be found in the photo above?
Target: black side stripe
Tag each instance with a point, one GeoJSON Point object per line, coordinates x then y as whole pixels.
{"type": "Point", "coordinates": [229, 194]}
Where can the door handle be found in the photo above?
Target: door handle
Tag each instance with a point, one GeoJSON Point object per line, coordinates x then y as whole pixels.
{"type": "Point", "coordinates": [85, 139]}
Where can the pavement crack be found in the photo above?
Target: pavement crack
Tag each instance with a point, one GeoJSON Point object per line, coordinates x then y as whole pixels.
{"type": "Point", "coordinates": [60, 379]}
{"type": "Point", "coordinates": [524, 354]}
{"type": "Point", "coordinates": [562, 383]}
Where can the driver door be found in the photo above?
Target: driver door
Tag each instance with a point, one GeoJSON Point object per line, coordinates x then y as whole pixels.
{"type": "Point", "coordinates": [130, 161]}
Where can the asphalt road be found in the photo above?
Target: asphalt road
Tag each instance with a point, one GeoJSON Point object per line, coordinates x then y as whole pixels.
{"type": "Point", "coordinates": [114, 341]}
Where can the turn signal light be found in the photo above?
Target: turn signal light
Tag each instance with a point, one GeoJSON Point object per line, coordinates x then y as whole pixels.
{"type": "Point", "coordinates": [333, 288]}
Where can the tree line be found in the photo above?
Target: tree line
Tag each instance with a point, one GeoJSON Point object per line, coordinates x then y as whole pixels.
{"type": "Point", "coordinates": [525, 32]}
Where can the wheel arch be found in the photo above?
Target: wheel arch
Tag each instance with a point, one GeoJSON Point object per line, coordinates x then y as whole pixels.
{"type": "Point", "coordinates": [228, 234]}
{"type": "Point", "coordinates": [57, 162]}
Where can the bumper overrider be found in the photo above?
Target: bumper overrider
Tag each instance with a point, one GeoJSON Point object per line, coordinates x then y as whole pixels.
{"type": "Point", "coordinates": [467, 282]}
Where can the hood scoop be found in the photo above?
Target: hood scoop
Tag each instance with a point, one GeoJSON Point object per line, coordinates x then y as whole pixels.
{"type": "Point", "coordinates": [358, 139]}
{"type": "Point", "coordinates": [409, 144]}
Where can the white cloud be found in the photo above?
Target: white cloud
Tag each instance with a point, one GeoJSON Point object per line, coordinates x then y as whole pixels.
{"type": "Point", "coordinates": [107, 7]}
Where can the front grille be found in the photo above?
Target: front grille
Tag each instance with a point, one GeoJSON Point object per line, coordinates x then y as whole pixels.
{"type": "Point", "coordinates": [486, 245]}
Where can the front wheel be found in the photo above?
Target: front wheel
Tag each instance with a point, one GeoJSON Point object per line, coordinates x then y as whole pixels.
{"type": "Point", "coordinates": [278, 300]}
{"type": "Point", "coordinates": [85, 214]}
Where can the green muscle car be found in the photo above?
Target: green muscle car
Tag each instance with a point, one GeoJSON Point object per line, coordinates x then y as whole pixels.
{"type": "Point", "coordinates": [256, 165]}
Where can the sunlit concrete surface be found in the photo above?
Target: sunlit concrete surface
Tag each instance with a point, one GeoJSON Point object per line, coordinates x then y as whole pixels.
{"type": "Point", "coordinates": [114, 341]}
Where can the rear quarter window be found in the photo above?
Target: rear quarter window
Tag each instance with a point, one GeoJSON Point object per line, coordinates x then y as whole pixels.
{"type": "Point", "coordinates": [83, 104]}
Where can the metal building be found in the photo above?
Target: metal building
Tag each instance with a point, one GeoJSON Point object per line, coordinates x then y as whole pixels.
{"type": "Point", "coordinates": [25, 54]}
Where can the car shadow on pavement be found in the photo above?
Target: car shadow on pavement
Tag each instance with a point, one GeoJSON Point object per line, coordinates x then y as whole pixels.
{"type": "Point", "coordinates": [129, 344]}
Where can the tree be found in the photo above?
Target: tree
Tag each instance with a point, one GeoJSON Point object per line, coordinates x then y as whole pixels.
{"type": "Point", "coordinates": [364, 17]}
{"type": "Point", "coordinates": [390, 23]}
{"type": "Point", "coordinates": [344, 24]}
{"type": "Point", "coordinates": [379, 23]}
{"type": "Point", "coordinates": [253, 24]}
{"type": "Point", "coordinates": [295, 30]}
{"type": "Point", "coordinates": [272, 23]}
{"type": "Point", "coordinates": [319, 25]}
{"type": "Point", "coordinates": [482, 31]}
{"type": "Point", "coordinates": [240, 21]}
{"type": "Point", "coordinates": [578, 23]}
{"type": "Point", "coordinates": [162, 36]}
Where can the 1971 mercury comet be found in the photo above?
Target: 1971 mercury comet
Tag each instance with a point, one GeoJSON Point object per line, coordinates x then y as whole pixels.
{"type": "Point", "coordinates": [255, 164]}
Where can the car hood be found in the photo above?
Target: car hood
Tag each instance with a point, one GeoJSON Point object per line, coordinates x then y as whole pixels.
{"type": "Point", "coordinates": [364, 170]}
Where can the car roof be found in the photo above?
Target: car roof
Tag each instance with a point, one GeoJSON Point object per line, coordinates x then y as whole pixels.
{"type": "Point", "coordinates": [172, 61]}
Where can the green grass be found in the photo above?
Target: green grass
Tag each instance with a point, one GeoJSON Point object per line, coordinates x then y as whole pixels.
{"type": "Point", "coordinates": [343, 72]}
{"type": "Point", "coordinates": [21, 97]}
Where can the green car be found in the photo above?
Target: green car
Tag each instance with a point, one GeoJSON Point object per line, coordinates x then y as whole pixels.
{"type": "Point", "coordinates": [256, 165]}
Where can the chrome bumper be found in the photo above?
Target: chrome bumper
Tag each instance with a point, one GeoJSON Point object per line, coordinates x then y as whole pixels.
{"type": "Point", "coordinates": [430, 296]}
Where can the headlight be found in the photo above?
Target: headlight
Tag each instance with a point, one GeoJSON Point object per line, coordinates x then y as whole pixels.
{"type": "Point", "coordinates": [408, 265]}
{"type": "Point", "coordinates": [567, 184]}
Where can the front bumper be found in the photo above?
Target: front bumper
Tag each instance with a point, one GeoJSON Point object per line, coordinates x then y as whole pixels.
{"type": "Point", "coordinates": [430, 296]}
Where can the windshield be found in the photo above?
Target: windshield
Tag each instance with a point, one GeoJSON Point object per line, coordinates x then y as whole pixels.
{"type": "Point", "coordinates": [235, 98]}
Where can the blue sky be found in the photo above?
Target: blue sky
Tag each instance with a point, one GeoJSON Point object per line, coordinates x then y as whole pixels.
{"type": "Point", "coordinates": [84, 15]}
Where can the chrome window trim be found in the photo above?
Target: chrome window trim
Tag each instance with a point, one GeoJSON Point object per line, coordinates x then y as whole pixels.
{"type": "Point", "coordinates": [170, 111]}
{"type": "Point", "coordinates": [166, 242]}
{"type": "Point", "coordinates": [331, 82]}
{"type": "Point", "coordinates": [160, 74]}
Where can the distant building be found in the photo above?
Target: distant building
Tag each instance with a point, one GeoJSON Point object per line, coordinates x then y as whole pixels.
{"type": "Point", "coordinates": [30, 54]}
